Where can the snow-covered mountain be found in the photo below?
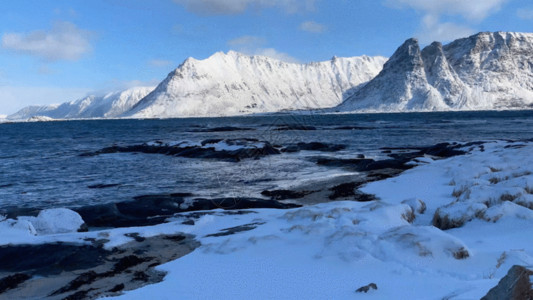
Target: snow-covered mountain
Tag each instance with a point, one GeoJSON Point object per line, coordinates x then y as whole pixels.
{"type": "Point", "coordinates": [108, 106]}
{"type": "Point", "coordinates": [483, 71]}
{"type": "Point", "coordinates": [234, 84]}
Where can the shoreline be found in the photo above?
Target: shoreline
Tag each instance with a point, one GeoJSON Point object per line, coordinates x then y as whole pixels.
{"type": "Point", "coordinates": [118, 244]}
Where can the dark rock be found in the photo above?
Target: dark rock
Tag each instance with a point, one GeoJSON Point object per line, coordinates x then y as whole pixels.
{"type": "Point", "coordinates": [81, 295]}
{"type": "Point", "coordinates": [367, 288]}
{"type": "Point", "coordinates": [85, 278]}
{"type": "Point", "coordinates": [313, 146]}
{"type": "Point", "coordinates": [461, 253]}
{"type": "Point", "coordinates": [125, 267]}
{"type": "Point", "coordinates": [233, 230]}
{"type": "Point", "coordinates": [343, 190]}
{"type": "Point", "coordinates": [238, 203]}
{"type": "Point", "coordinates": [136, 237]}
{"type": "Point", "coordinates": [175, 238]}
{"type": "Point", "coordinates": [210, 141]}
{"type": "Point", "coordinates": [515, 285]}
{"type": "Point", "coordinates": [49, 258]}
{"type": "Point", "coordinates": [357, 164]}
{"type": "Point", "coordinates": [295, 127]}
{"type": "Point", "coordinates": [353, 128]}
{"type": "Point", "coordinates": [248, 150]}
{"type": "Point", "coordinates": [155, 209]}
{"type": "Point", "coordinates": [349, 190]}
{"type": "Point", "coordinates": [83, 228]}
{"type": "Point", "coordinates": [140, 276]}
{"type": "Point", "coordinates": [285, 194]}
{"type": "Point", "coordinates": [188, 222]}
{"type": "Point", "coordinates": [362, 197]}
{"type": "Point", "coordinates": [444, 150]}
{"type": "Point", "coordinates": [117, 288]}
{"type": "Point", "coordinates": [12, 281]}
{"type": "Point", "coordinates": [222, 129]}
{"type": "Point", "coordinates": [128, 262]}
{"type": "Point", "coordinates": [102, 186]}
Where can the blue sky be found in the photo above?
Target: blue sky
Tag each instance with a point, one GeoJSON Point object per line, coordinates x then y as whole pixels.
{"type": "Point", "coordinates": [53, 51]}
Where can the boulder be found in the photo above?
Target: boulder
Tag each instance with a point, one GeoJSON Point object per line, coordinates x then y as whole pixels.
{"type": "Point", "coordinates": [515, 285]}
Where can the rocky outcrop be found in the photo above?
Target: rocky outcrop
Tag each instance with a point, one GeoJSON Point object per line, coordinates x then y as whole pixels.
{"type": "Point", "coordinates": [515, 285]}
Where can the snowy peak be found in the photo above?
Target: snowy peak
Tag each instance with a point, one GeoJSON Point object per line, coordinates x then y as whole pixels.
{"type": "Point", "coordinates": [403, 80]}
{"type": "Point", "coordinates": [484, 71]}
{"type": "Point", "coordinates": [407, 57]}
{"type": "Point", "coordinates": [233, 83]}
{"type": "Point", "coordinates": [108, 106]}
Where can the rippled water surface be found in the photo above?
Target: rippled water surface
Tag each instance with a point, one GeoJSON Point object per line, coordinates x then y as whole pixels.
{"type": "Point", "coordinates": [41, 166]}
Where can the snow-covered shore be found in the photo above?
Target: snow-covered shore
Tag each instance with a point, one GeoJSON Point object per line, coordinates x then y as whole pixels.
{"type": "Point", "coordinates": [480, 204]}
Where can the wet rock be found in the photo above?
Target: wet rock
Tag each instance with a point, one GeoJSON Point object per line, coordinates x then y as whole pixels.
{"type": "Point", "coordinates": [48, 259]}
{"type": "Point", "coordinates": [364, 164]}
{"type": "Point", "coordinates": [343, 190]}
{"type": "Point", "coordinates": [233, 150]}
{"type": "Point", "coordinates": [125, 267]}
{"type": "Point", "coordinates": [12, 281]}
{"type": "Point", "coordinates": [129, 261]}
{"type": "Point", "coordinates": [155, 209]}
{"type": "Point", "coordinates": [367, 288]}
{"type": "Point", "coordinates": [349, 190]}
{"type": "Point", "coordinates": [222, 129]}
{"type": "Point", "coordinates": [313, 146]}
{"type": "Point", "coordinates": [515, 285]}
{"type": "Point", "coordinates": [83, 279]}
{"type": "Point", "coordinates": [140, 276]}
{"type": "Point", "coordinates": [353, 128]}
{"type": "Point", "coordinates": [285, 194]}
{"type": "Point", "coordinates": [237, 229]}
{"type": "Point", "coordinates": [294, 127]}
{"type": "Point", "coordinates": [354, 163]}
{"type": "Point", "coordinates": [117, 288]}
{"type": "Point", "coordinates": [102, 186]}
{"type": "Point", "coordinates": [80, 295]}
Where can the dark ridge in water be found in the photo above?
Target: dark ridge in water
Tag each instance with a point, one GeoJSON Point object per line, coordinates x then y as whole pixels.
{"type": "Point", "coordinates": [41, 166]}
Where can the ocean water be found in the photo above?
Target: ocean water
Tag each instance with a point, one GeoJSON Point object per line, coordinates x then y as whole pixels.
{"type": "Point", "coordinates": [41, 166]}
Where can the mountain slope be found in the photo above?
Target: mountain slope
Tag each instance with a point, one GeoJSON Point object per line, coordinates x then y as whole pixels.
{"type": "Point", "coordinates": [108, 106]}
{"type": "Point", "coordinates": [484, 71]}
{"type": "Point", "coordinates": [233, 84]}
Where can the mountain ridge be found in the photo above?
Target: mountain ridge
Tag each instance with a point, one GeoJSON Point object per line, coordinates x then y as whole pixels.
{"type": "Point", "coordinates": [233, 84]}
{"type": "Point", "coordinates": [486, 71]}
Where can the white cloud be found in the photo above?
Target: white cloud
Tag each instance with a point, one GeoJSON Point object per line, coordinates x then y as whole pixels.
{"type": "Point", "coordinates": [231, 7]}
{"type": "Point", "coordinates": [313, 27]}
{"type": "Point", "coordinates": [475, 10]}
{"type": "Point", "coordinates": [525, 14]}
{"type": "Point", "coordinates": [65, 41]}
{"type": "Point", "coordinates": [273, 53]}
{"type": "Point", "coordinates": [160, 63]}
{"type": "Point", "coordinates": [14, 98]}
{"type": "Point", "coordinates": [254, 45]}
{"type": "Point", "coordinates": [432, 29]}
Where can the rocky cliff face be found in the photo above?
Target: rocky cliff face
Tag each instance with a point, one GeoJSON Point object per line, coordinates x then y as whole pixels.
{"type": "Point", "coordinates": [484, 71]}
{"type": "Point", "coordinates": [234, 84]}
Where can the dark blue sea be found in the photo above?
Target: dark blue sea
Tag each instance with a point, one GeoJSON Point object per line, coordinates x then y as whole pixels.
{"type": "Point", "coordinates": [41, 166]}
